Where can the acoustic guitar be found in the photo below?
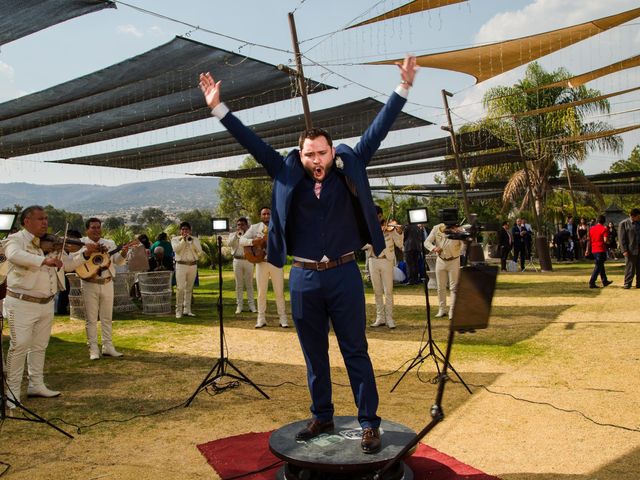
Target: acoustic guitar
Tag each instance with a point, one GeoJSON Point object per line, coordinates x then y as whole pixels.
{"type": "Point", "coordinates": [99, 261]}
{"type": "Point", "coordinates": [257, 252]}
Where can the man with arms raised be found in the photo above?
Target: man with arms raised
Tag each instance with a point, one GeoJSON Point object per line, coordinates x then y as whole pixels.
{"type": "Point", "coordinates": [33, 280]}
{"type": "Point", "coordinates": [322, 211]}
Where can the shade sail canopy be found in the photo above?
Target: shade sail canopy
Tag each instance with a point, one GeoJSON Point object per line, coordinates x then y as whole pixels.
{"type": "Point", "coordinates": [466, 161]}
{"type": "Point", "coordinates": [486, 61]}
{"type": "Point", "coordinates": [595, 136]}
{"type": "Point", "coordinates": [580, 80]}
{"type": "Point", "coordinates": [153, 90]}
{"type": "Point", "coordinates": [343, 121]}
{"type": "Point", "coordinates": [23, 17]}
{"type": "Point", "coordinates": [412, 7]}
{"type": "Point", "coordinates": [577, 103]}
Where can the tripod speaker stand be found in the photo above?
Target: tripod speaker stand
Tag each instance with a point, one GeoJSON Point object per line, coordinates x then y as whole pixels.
{"type": "Point", "coordinates": [219, 369]}
{"type": "Point", "coordinates": [33, 417]}
{"type": "Point", "coordinates": [430, 347]}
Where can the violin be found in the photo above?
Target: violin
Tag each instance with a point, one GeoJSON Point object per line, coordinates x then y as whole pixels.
{"type": "Point", "coordinates": [52, 243]}
{"type": "Point", "coordinates": [393, 225]}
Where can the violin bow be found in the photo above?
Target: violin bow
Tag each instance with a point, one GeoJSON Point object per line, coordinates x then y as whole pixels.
{"type": "Point", "coordinates": [64, 242]}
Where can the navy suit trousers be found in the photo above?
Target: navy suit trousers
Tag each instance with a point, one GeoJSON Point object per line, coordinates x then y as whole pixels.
{"type": "Point", "coordinates": [336, 296]}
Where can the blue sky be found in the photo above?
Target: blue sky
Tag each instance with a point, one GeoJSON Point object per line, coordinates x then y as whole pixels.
{"type": "Point", "coordinates": [91, 42]}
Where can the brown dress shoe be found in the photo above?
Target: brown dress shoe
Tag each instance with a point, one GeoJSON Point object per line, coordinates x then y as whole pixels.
{"type": "Point", "coordinates": [314, 428]}
{"type": "Point", "coordinates": [371, 442]}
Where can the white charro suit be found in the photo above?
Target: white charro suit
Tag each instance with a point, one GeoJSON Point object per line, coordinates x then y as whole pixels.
{"type": "Point", "coordinates": [264, 270]}
{"type": "Point", "coordinates": [30, 322]}
{"type": "Point", "coordinates": [98, 298]}
{"type": "Point", "coordinates": [242, 271]}
{"type": "Point", "coordinates": [447, 264]}
{"type": "Point", "coordinates": [186, 255]}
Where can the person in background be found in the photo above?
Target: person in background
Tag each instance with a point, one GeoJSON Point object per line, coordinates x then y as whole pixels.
{"type": "Point", "coordinates": [265, 269]}
{"type": "Point", "coordinates": [162, 240]}
{"type": "Point", "coordinates": [583, 238]}
{"type": "Point", "coordinates": [187, 251]}
{"type": "Point", "coordinates": [598, 247]}
{"type": "Point", "coordinates": [381, 271]}
{"type": "Point", "coordinates": [62, 299]}
{"type": "Point", "coordinates": [629, 236]}
{"type": "Point", "coordinates": [413, 238]}
{"type": "Point", "coordinates": [505, 243]}
{"type": "Point", "coordinates": [97, 291]}
{"type": "Point", "coordinates": [447, 265]}
{"type": "Point", "coordinates": [242, 268]}
{"type": "Point", "coordinates": [612, 241]}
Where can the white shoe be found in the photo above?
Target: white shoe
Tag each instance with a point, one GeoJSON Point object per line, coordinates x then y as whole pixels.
{"type": "Point", "coordinates": [391, 324]}
{"type": "Point", "coordinates": [253, 309]}
{"type": "Point", "coordinates": [238, 310]}
{"type": "Point", "coordinates": [441, 313]}
{"type": "Point", "coordinates": [378, 323]}
{"type": "Point", "coordinates": [189, 314]}
{"type": "Point", "coordinates": [94, 352]}
{"type": "Point", "coordinates": [110, 351]}
{"type": "Point", "coordinates": [178, 314]}
{"type": "Point", "coordinates": [41, 391]}
{"type": "Point", "coordinates": [261, 323]}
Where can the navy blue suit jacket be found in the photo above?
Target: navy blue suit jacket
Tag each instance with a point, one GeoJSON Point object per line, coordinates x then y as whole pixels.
{"type": "Point", "coordinates": [287, 171]}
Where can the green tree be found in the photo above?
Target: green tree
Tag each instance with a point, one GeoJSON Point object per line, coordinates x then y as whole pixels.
{"type": "Point", "coordinates": [111, 223]}
{"type": "Point", "coordinates": [538, 135]}
{"type": "Point", "coordinates": [631, 164]}
{"type": "Point", "coordinates": [150, 216]}
{"type": "Point", "coordinates": [244, 197]}
{"type": "Point", "coordinates": [200, 221]}
{"type": "Point", "coordinates": [59, 218]}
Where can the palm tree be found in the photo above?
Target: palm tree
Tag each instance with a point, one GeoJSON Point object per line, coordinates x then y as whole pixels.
{"type": "Point", "coordinates": [544, 137]}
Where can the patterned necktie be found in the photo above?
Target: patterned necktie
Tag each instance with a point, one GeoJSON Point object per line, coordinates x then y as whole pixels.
{"type": "Point", "coordinates": [317, 188]}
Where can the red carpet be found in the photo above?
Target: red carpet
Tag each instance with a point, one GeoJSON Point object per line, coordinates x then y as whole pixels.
{"type": "Point", "coordinates": [235, 456]}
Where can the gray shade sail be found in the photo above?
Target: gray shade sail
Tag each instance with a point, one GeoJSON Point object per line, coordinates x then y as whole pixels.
{"type": "Point", "coordinates": [343, 121]}
{"type": "Point", "coordinates": [20, 18]}
{"type": "Point", "coordinates": [153, 90]}
{"type": "Point", "coordinates": [467, 142]}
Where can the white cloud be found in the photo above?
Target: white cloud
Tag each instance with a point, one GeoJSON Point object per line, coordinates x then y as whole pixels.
{"type": "Point", "coordinates": [544, 15]}
{"type": "Point", "coordinates": [8, 88]}
{"type": "Point", "coordinates": [129, 29]}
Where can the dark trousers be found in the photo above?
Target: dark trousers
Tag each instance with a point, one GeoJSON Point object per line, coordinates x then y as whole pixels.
{"type": "Point", "coordinates": [598, 268]}
{"type": "Point", "coordinates": [336, 296]}
{"type": "Point", "coordinates": [631, 269]}
{"type": "Point", "coordinates": [519, 251]}
{"type": "Point", "coordinates": [504, 254]}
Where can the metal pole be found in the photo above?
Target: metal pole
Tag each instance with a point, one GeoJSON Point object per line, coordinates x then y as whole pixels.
{"type": "Point", "coordinates": [449, 129]}
{"type": "Point", "coordinates": [300, 74]}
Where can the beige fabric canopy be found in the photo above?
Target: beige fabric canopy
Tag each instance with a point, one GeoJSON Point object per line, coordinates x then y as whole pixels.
{"type": "Point", "coordinates": [595, 136]}
{"type": "Point", "coordinates": [486, 61]}
{"type": "Point", "coordinates": [561, 106]}
{"type": "Point", "coordinates": [411, 7]}
{"type": "Point", "coordinates": [580, 80]}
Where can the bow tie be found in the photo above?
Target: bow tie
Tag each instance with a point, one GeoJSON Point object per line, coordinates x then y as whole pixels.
{"type": "Point", "coordinates": [36, 242]}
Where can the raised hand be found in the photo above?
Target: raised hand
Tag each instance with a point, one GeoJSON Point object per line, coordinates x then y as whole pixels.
{"type": "Point", "coordinates": [210, 89]}
{"type": "Point", "coordinates": [408, 70]}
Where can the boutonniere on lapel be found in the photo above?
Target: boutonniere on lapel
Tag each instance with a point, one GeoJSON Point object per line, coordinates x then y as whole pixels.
{"type": "Point", "coordinates": [339, 163]}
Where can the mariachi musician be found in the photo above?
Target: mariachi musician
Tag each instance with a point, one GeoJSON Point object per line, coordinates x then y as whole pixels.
{"type": "Point", "coordinates": [381, 270]}
{"type": "Point", "coordinates": [256, 236]}
{"type": "Point", "coordinates": [242, 268]}
{"type": "Point", "coordinates": [97, 290]}
{"type": "Point", "coordinates": [33, 279]}
{"type": "Point", "coordinates": [187, 249]}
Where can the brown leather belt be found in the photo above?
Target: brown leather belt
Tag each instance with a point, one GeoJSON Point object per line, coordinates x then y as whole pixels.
{"type": "Point", "coordinates": [321, 266]}
{"type": "Point", "coordinates": [98, 281]}
{"type": "Point", "coordinates": [183, 262]}
{"type": "Point", "coordinates": [29, 298]}
{"type": "Point", "coordinates": [449, 259]}
{"type": "Point", "coordinates": [239, 257]}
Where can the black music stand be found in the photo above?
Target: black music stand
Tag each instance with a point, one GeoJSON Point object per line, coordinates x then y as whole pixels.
{"type": "Point", "coordinates": [476, 287]}
{"type": "Point", "coordinates": [34, 417]}
{"type": "Point", "coordinates": [431, 347]}
{"type": "Point", "coordinates": [219, 369]}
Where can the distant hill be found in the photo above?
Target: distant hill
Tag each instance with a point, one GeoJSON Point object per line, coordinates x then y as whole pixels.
{"type": "Point", "coordinates": [171, 196]}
